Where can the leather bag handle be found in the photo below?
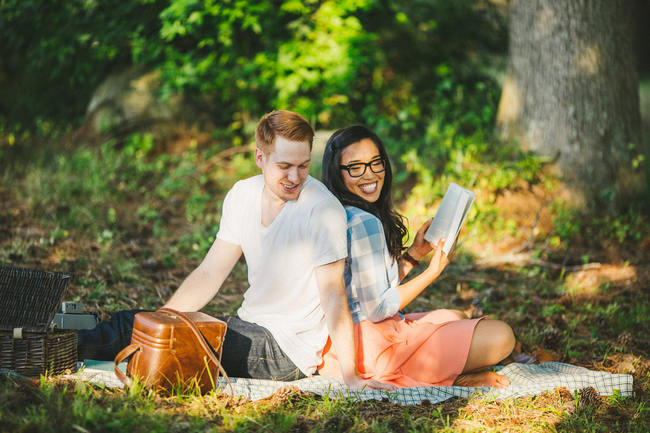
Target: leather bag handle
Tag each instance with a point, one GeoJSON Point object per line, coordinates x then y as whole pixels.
{"type": "Point", "coordinates": [125, 353]}
{"type": "Point", "coordinates": [202, 341]}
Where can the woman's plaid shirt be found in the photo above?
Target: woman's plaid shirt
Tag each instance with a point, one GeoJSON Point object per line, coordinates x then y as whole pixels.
{"type": "Point", "coordinates": [371, 274]}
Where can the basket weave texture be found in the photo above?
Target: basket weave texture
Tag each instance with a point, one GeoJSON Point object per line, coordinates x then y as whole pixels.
{"type": "Point", "coordinates": [28, 301]}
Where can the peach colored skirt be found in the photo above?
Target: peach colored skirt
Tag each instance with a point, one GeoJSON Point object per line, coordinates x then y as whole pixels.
{"type": "Point", "coordinates": [425, 349]}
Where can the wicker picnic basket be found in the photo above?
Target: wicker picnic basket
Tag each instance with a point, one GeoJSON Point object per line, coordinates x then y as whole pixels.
{"type": "Point", "coordinates": [28, 345]}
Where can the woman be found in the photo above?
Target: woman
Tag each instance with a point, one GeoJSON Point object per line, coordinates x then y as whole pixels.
{"type": "Point", "coordinates": [441, 347]}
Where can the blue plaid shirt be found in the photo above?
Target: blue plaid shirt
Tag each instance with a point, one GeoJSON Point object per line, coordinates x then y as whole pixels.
{"type": "Point", "coordinates": [371, 274]}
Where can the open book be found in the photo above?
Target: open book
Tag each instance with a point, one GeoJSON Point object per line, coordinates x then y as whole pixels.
{"type": "Point", "coordinates": [450, 217]}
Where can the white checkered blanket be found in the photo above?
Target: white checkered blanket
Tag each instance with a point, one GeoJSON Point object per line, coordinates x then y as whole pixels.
{"type": "Point", "coordinates": [525, 379]}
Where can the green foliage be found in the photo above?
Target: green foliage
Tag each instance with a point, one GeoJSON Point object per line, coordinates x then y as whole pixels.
{"type": "Point", "coordinates": [74, 188]}
{"type": "Point", "coordinates": [126, 219]}
{"type": "Point", "coordinates": [572, 225]}
{"type": "Point", "coordinates": [477, 161]}
{"type": "Point", "coordinates": [218, 52]}
{"type": "Point", "coordinates": [108, 191]}
{"type": "Point", "coordinates": [334, 61]}
{"type": "Point", "coordinates": [77, 407]}
{"type": "Point", "coordinates": [319, 69]}
{"type": "Point", "coordinates": [54, 53]}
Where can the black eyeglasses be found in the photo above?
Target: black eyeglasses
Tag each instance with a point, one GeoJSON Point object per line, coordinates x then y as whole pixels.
{"type": "Point", "coordinates": [358, 169]}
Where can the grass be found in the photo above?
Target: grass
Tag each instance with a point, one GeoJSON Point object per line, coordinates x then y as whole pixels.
{"type": "Point", "coordinates": [55, 405]}
{"type": "Point", "coordinates": [130, 222]}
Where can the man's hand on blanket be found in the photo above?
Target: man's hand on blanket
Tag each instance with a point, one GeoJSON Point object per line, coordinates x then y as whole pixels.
{"type": "Point", "coordinates": [358, 384]}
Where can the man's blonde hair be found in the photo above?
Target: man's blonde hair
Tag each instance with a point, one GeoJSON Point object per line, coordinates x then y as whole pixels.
{"type": "Point", "coordinates": [287, 124]}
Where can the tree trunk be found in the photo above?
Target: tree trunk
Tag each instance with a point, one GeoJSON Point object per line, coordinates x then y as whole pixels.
{"type": "Point", "coordinates": [572, 94]}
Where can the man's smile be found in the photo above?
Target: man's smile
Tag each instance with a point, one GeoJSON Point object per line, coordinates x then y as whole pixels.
{"type": "Point", "coordinates": [290, 187]}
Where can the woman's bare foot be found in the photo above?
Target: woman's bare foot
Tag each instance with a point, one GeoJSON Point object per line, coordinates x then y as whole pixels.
{"type": "Point", "coordinates": [484, 378]}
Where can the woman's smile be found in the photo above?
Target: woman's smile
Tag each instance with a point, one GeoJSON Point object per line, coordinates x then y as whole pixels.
{"type": "Point", "coordinates": [369, 184]}
{"type": "Point", "coordinates": [368, 188]}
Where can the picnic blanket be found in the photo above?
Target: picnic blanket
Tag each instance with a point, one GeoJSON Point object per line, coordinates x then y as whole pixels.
{"type": "Point", "coordinates": [525, 379]}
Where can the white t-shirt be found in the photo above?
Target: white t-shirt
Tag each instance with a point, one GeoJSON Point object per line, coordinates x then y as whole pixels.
{"type": "Point", "coordinates": [283, 295]}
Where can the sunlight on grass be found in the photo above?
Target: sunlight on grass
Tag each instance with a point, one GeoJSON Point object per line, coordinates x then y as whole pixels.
{"type": "Point", "coordinates": [132, 222]}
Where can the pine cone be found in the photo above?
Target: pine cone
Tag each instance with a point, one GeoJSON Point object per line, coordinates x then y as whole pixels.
{"type": "Point", "coordinates": [551, 337]}
{"type": "Point", "coordinates": [589, 397]}
{"type": "Point", "coordinates": [624, 340]}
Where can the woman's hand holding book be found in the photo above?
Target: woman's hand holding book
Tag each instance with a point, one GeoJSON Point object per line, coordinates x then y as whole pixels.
{"type": "Point", "coordinates": [438, 263]}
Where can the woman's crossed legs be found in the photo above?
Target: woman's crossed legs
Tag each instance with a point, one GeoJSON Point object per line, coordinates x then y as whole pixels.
{"type": "Point", "coordinates": [492, 341]}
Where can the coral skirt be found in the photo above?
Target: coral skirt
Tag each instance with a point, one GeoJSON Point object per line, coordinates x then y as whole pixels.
{"type": "Point", "coordinates": [424, 349]}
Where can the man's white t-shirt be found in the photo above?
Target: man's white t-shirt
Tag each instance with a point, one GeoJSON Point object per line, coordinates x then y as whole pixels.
{"type": "Point", "coordinates": [283, 295]}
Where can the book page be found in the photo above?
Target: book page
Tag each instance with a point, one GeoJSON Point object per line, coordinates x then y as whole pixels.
{"type": "Point", "coordinates": [450, 216]}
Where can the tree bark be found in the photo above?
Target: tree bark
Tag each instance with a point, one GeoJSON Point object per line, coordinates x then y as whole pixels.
{"type": "Point", "coordinates": [572, 94]}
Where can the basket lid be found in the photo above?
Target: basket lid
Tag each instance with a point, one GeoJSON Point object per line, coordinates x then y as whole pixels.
{"type": "Point", "coordinates": [29, 298]}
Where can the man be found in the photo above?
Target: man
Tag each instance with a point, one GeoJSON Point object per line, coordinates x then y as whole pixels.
{"type": "Point", "coordinates": [292, 233]}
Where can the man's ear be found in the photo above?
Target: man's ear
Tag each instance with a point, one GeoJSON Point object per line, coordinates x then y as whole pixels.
{"type": "Point", "coordinates": [259, 155]}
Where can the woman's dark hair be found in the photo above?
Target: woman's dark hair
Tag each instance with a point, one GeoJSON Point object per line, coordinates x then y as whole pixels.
{"type": "Point", "coordinates": [393, 224]}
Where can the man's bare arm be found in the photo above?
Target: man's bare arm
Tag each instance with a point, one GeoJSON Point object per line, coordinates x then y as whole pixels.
{"type": "Point", "coordinates": [205, 281]}
{"type": "Point", "coordinates": [334, 301]}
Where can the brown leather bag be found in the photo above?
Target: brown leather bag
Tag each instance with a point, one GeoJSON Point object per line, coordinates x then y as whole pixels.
{"type": "Point", "coordinates": [169, 348]}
